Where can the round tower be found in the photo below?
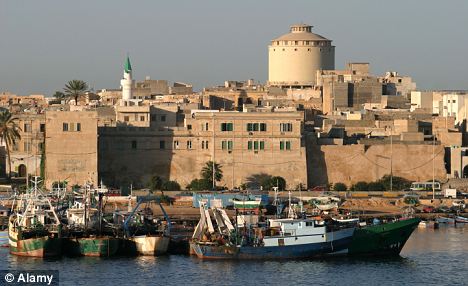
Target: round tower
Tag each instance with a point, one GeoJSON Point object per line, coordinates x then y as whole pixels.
{"type": "Point", "coordinates": [127, 81]}
{"type": "Point", "coordinates": [295, 58]}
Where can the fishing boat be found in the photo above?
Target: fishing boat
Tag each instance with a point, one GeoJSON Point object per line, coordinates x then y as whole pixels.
{"type": "Point", "coordinates": [460, 219]}
{"type": "Point", "coordinates": [144, 234]}
{"type": "Point", "coordinates": [34, 228]}
{"type": "Point", "coordinates": [445, 220]}
{"type": "Point", "coordinates": [428, 224]}
{"type": "Point", "coordinates": [280, 239]}
{"type": "Point", "coordinates": [86, 236]}
{"type": "Point", "coordinates": [382, 239]}
{"type": "Point", "coordinates": [249, 205]}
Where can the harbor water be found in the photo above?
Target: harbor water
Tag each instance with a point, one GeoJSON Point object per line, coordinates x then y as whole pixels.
{"type": "Point", "coordinates": [430, 257]}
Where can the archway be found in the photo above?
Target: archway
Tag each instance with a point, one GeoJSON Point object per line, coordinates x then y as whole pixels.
{"type": "Point", "coordinates": [465, 172]}
{"type": "Point", "coordinates": [22, 171]}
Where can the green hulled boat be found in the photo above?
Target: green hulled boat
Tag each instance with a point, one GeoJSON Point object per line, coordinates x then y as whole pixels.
{"type": "Point", "coordinates": [92, 246]}
{"type": "Point", "coordinates": [34, 228]}
{"type": "Point", "coordinates": [33, 243]}
{"type": "Point", "coordinates": [382, 239]}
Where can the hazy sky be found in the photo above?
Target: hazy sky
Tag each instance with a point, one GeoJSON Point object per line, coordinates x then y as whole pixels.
{"type": "Point", "coordinates": [46, 43]}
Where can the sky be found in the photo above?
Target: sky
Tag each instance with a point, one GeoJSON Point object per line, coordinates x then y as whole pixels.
{"type": "Point", "coordinates": [44, 44]}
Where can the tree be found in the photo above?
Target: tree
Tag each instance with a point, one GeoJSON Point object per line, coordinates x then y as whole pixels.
{"type": "Point", "coordinates": [155, 183]}
{"type": "Point", "coordinates": [9, 133]}
{"type": "Point", "coordinates": [375, 187]}
{"type": "Point", "coordinates": [340, 187]}
{"type": "Point", "coordinates": [59, 95]}
{"type": "Point", "coordinates": [75, 88]}
{"type": "Point", "coordinates": [360, 187]}
{"type": "Point", "coordinates": [170, 186]}
{"type": "Point", "coordinates": [398, 183]}
{"type": "Point", "coordinates": [200, 185]}
{"type": "Point", "coordinates": [207, 172]}
{"type": "Point", "coordinates": [276, 181]}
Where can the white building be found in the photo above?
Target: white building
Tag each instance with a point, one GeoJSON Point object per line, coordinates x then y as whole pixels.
{"type": "Point", "coordinates": [295, 58]}
{"type": "Point", "coordinates": [455, 105]}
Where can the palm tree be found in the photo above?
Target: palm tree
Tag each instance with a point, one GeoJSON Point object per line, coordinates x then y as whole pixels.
{"type": "Point", "coordinates": [207, 172]}
{"type": "Point", "coordinates": [75, 88]}
{"type": "Point", "coordinates": [59, 95]}
{"type": "Point", "coordinates": [9, 132]}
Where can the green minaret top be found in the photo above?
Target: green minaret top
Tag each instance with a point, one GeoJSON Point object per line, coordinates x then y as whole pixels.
{"type": "Point", "coordinates": [128, 66]}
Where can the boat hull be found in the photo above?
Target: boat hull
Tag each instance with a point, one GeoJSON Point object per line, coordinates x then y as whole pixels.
{"type": "Point", "coordinates": [298, 251]}
{"type": "Point", "coordinates": [383, 239]}
{"type": "Point", "coordinates": [36, 247]}
{"type": "Point", "coordinates": [93, 246]}
{"type": "Point", "coordinates": [151, 245]}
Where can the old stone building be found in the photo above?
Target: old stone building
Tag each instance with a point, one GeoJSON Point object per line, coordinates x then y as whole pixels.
{"type": "Point", "coordinates": [244, 143]}
{"type": "Point", "coordinates": [71, 147]}
{"type": "Point", "coordinates": [27, 152]}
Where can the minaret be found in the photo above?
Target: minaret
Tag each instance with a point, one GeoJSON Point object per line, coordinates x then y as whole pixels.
{"type": "Point", "coordinates": [127, 81]}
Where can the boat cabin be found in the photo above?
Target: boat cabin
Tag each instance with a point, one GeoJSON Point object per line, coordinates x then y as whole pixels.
{"type": "Point", "coordinates": [293, 227]}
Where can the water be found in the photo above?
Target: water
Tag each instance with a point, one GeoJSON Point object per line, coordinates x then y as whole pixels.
{"type": "Point", "coordinates": [430, 257]}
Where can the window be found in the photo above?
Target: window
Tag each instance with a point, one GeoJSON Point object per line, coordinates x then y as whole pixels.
{"type": "Point", "coordinates": [285, 127]}
{"type": "Point", "coordinates": [126, 118]}
{"type": "Point", "coordinates": [134, 144]}
{"type": "Point", "coordinates": [204, 144]}
{"type": "Point", "coordinates": [162, 144]}
{"type": "Point", "coordinates": [285, 145]}
{"type": "Point", "coordinates": [65, 126]}
{"type": "Point", "coordinates": [205, 126]}
{"type": "Point", "coordinates": [163, 118]}
{"type": "Point", "coordinates": [142, 118]}
{"type": "Point", "coordinates": [226, 126]}
{"type": "Point", "coordinates": [189, 144]}
{"type": "Point", "coordinates": [154, 117]}
{"type": "Point", "coordinates": [256, 127]}
{"type": "Point", "coordinates": [78, 127]}
{"type": "Point", "coordinates": [27, 147]}
{"type": "Point", "coordinates": [256, 145]}
{"type": "Point", "coordinates": [226, 144]}
{"type": "Point", "coordinates": [176, 144]}
{"type": "Point", "coordinates": [189, 126]}
{"type": "Point", "coordinates": [42, 127]}
{"type": "Point", "coordinates": [27, 127]}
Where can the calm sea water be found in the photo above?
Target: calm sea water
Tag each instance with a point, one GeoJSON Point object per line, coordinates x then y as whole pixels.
{"type": "Point", "coordinates": [430, 257]}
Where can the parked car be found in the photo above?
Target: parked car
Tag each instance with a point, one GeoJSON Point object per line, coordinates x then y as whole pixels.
{"type": "Point", "coordinates": [429, 209]}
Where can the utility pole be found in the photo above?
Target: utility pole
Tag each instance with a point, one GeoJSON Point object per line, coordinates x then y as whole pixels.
{"type": "Point", "coordinates": [391, 160]}
{"type": "Point", "coordinates": [433, 160]}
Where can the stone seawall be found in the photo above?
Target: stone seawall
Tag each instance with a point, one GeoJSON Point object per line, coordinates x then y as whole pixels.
{"type": "Point", "coordinates": [353, 163]}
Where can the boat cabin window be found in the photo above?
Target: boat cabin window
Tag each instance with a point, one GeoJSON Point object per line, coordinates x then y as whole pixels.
{"type": "Point", "coordinates": [309, 223]}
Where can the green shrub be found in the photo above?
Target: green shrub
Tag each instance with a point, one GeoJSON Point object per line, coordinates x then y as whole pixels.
{"type": "Point", "coordinates": [360, 187]}
{"type": "Point", "coordinates": [340, 187]}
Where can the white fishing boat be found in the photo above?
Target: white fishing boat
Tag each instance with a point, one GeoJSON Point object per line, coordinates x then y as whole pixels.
{"type": "Point", "coordinates": [460, 219]}
{"type": "Point", "coordinates": [445, 220]}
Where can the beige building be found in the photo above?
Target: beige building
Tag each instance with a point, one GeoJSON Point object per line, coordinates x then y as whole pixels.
{"type": "Point", "coordinates": [26, 153]}
{"type": "Point", "coordinates": [71, 147]}
{"type": "Point", "coordinates": [246, 144]}
{"type": "Point", "coordinates": [295, 58]}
